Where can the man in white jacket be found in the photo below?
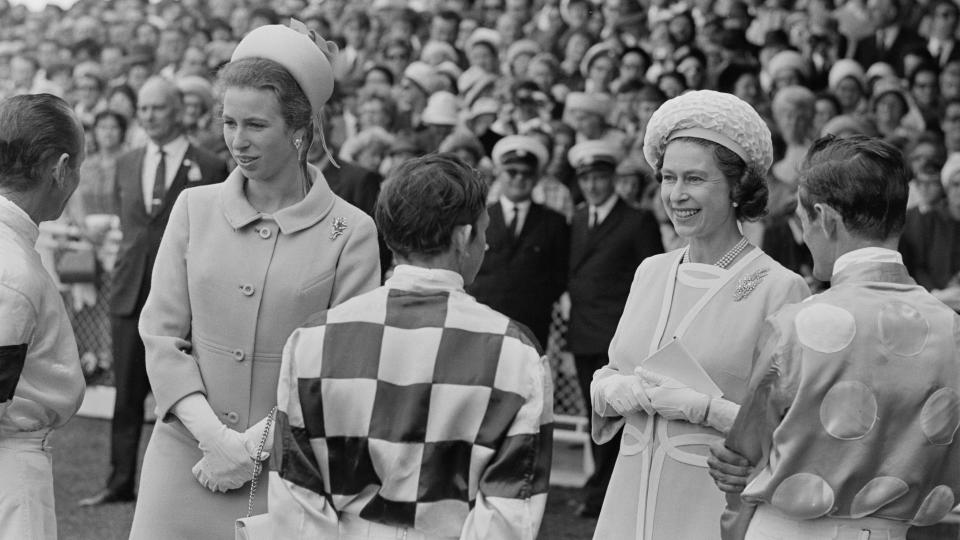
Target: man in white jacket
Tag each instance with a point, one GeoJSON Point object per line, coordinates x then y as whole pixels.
{"type": "Point", "coordinates": [41, 382]}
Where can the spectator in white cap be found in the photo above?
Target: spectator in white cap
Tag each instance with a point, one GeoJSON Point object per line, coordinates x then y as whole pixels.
{"type": "Point", "coordinates": [701, 305]}
{"type": "Point", "coordinates": [368, 148]}
{"type": "Point", "coordinates": [598, 68]}
{"type": "Point", "coordinates": [609, 239]}
{"type": "Point", "coordinates": [525, 267]}
{"type": "Point", "coordinates": [518, 57]}
{"type": "Point", "coordinates": [588, 114]}
{"type": "Point", "coordinates": [197, 110]}
{"type": "Point", "coordinates": [787, 68]}
{"type": "Point", "coordinates": [439, 118]}
{"type": "Point", "coordinates": [419, 81]}
{"type": "Point", "coordinates": [483, 50]}
{"type": "Point", "coordinates": [848, 82]}
{"type": "Point", "coordinates": [259, 231]}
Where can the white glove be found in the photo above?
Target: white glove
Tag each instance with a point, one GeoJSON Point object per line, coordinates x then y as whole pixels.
{"type": "Point", "coordinates": [624, 393]}
{"type": "Point", "coordinates": [672, 399]}
{"type": "Point", "coordinates": [227, 461]}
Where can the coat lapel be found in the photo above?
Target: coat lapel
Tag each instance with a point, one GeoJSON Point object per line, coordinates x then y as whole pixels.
{"type": "Point", "coordinates": [179, 182]}
{"type": "Point", "coordinates": [595, 237]}
{"type": "Point", "coordinates": [135, 182]}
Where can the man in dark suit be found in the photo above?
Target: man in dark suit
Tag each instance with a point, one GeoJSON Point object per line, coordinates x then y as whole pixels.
{"type": "Point", "coordinates": [148, 181]}
{"type": "Point", "coordinates": [609, 240]}
{"type": "Point", "coordinates": [941, 43]}
{"type": "Point", "coordinates": [524, 270]}
{"type": "Point", "coordinates": [892, 37]}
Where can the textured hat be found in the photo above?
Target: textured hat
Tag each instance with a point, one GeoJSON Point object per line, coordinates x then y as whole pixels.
{"type": "Point", "coordinates": [519, 146]}
{"type": "Point", "coordinates": [483, 35]}
{"type": "Point", "coordinates": [597, 103]}
{"type": "Point", "coordinates": [950, 168]}
{"type": "Point", "coordinates": [449, 69]}
{"type": "Point", "coordinates": [788, 60]}
{"type": "Point", "coordinates": [296, 50]}
{"type": "Point", "coordinates": [714, 116]}
{"type": "Point", "coordinates": [442, 109]}
{"type": "Point", "coordinates": [588, 155]}
{"type": "Point", "coordinates": [843, 69]}
{"type": "Point", "coordinates": [423, 75]}
{"type": "Point", "coordinates": [594, 52]}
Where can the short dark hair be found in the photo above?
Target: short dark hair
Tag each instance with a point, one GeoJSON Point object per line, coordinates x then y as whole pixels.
{"type": "Point", "coordinates": [865, 179]}
{"type": "Point", "coordinates": [422, 201]}
{"type": "Point", "coordinates": [747, 188]}
{"type": "Point", "coordinates": [117, 117]}
{"type": "Point", "coordinates": [35, 129]}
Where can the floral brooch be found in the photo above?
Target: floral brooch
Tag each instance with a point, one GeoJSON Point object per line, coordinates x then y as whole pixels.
{"type": "Point", "coordinates": [337, 227]}
{"type": "Point", "coordinates": [748, 283]}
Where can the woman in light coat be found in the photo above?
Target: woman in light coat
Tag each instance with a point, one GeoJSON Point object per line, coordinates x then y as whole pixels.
{"type": "Point", "coordinates": [241, 265]}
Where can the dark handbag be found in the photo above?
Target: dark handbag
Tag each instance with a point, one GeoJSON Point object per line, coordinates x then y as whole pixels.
{"type": "Point", "coordinates": [77, 264]}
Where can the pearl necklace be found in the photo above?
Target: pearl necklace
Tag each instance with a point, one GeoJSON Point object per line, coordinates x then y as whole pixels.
{"type": "Point", "coordinates": [728, 257]}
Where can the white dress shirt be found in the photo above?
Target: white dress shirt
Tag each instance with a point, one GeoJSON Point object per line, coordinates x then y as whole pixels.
{"type": "Point", "coordinates": [602, 211]}
{"type": "Point", "coordinates": [522, 209]}
{"type": "Point", "coordinates": [174, 151]}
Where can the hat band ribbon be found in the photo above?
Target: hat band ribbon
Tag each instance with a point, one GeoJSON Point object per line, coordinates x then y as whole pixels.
{"type": "Point", "coordinates": [712, 136]}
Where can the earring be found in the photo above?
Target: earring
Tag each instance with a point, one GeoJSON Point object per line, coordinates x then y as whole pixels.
{"type": "Point", "coordinates": [736, 204]}
{"type": "Point", "coordinates": [297, 142]}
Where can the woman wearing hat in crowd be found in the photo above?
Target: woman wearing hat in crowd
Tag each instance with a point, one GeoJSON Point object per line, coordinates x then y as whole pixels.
{"type": "Point", "coordinates": [598, 68]}
{"type": "Point", "coordinates": [240, 266]}
{"type": "Point", "coordinates": [700, 306]}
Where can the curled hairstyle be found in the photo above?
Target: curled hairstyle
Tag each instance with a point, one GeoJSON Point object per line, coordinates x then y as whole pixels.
{"type": "Point", "coordinates": [864, 179]}
{"type": "Point", "coordinates": [422, 201]}
{"type": "Point", "coordinates": [35, 129]}
{"type": "Point", "coordinates": [747, 188]}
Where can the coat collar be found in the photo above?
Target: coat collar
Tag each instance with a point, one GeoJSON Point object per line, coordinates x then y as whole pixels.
{"type": "Point", "coordinates": [313, 208]}
{"type": "Point", "coordinates": [886, 272]}
{"type": "Point", "coordinates": [18, 221]}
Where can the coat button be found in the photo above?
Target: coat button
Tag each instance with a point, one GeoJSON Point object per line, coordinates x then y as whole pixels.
{"type": "Point", "coordinates": [246, 289]}
{"type": "Point", "coordinates": [238, 355]}
{"type": "Point", "coordinates": [233, 417]}
{"type": "Point", "coordinates": [264, 232]}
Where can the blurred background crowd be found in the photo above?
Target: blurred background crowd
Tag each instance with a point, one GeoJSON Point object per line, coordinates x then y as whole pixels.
{"type": "Point", "coordinates": [418, 76]}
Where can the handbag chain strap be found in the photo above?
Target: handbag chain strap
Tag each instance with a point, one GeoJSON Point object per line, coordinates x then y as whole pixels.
{"type": "Point", "coordinates": [258, 464]}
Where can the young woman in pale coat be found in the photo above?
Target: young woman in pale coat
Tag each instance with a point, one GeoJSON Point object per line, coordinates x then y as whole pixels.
{"type": "Point", "coordinates": [241, 265]}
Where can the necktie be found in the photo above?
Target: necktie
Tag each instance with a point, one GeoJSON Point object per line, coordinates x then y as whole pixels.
{"type": "Point", "coordinates": [514, 222]}
{"type": "Point", "coordinates": [594, 218]}
{"type": "Point", "coordinates": [159, 184]}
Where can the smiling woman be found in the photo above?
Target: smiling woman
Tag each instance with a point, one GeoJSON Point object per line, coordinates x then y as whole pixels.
{"type": "Point", "coordinates": [241, 265]}
{"type": "Point", "coordinates": [702, 305]}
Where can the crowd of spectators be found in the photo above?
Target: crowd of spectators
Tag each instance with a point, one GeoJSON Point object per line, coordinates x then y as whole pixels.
{"type": "Point", "coordinates": [417, 76]}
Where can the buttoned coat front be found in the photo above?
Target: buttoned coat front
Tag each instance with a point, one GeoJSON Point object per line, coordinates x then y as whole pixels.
{"type": "Point", "coordinates": [229, 286]}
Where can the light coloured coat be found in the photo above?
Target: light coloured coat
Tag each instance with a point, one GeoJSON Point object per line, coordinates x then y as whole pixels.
{"type": "Point", "coordinates": [229, 286]}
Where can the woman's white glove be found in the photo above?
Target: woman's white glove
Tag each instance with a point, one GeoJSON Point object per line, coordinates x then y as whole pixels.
{"type": "Point", "coordinates": [228, 459]}
{"type": "Point", "coordinates": [623, 393]}
{"type": "Point", "coordinates": [228, 456]}
{"type": "Point", "coordinates": [672, 399]}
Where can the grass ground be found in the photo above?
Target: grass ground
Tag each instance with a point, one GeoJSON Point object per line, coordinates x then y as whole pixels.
{"type": "Point", "coordinates": [81, 462]}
